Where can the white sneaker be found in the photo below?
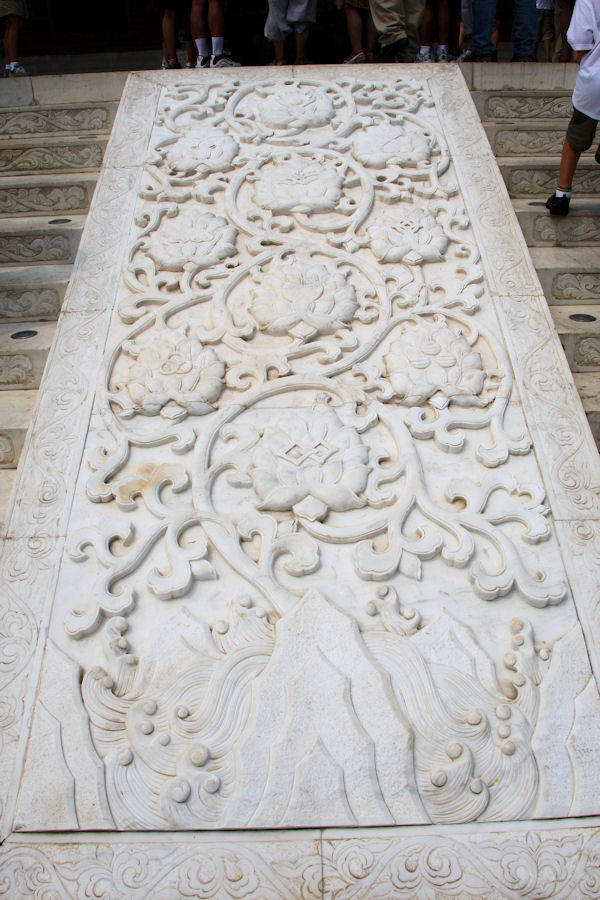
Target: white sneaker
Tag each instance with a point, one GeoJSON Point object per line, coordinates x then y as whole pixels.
{"type": "Point", "coordinates": [218, 62]}
{"type": "Point", "coordinates": [423, 57]}
{"type": "Point", "coordinates": [15, 70]}
{"type": "Point", "coordinates": [443, 56]}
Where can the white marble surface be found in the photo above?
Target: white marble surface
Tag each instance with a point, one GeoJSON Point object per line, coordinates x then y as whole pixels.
{"type": "Point", "coordinates": [314, 481]}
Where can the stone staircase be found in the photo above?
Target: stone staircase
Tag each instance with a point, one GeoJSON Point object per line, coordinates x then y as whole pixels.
{"type": "Point", "coordinates": [525, 110]}
{"type": "Point", "coordinates": [53, 132]}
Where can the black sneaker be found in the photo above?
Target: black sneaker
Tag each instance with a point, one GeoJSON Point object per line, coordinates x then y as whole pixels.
{"type": "Point", "coordinates": [472, 56]}
{"type": "Point", "coordinates": [558, 206]}
{"type": "Point", "coordinates": [391, 52]}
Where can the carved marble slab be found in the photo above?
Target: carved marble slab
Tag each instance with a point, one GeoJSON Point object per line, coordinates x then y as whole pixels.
{"type": "Point", "coordinates": [290, 555]}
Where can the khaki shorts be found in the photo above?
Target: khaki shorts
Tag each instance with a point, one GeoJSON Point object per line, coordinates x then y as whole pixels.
{"type": "Point", "coordinates": [581, 131]}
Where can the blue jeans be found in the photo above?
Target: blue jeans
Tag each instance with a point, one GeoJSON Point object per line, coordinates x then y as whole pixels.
{"type": "Point", "coordinates": [524, 32]}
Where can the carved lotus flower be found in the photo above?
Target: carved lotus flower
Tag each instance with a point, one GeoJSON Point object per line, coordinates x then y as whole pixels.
{"type": "Point", "coordinates": [377, 145]}
{"type": "Point", "coordinates": [190, 237]}
{"type": "Point", "coordinates": [299, 107]}
{"type": "Point", "coordinates": [303, 297]}
{"type": "Point", "coordinates": [432, 362]}
{"type": "Point", "coordinates": [299, 184]}
{"type": "Point", "coordinates": [412, 236]}
{"type": "Point", "coordinates": [212, 150]}
{"type": "Point", "coordinates": [312, 467]}
{"type": "Point", "coordinates": [173, 375]}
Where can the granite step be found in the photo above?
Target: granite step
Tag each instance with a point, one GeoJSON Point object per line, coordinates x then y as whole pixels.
{"type": "Point", "coordinates": [569, 275]}
{"type": "Point", "coordinates": [538, 176]}
{"type": "Point", "coordinates": [40, 154]}
{"type": "Point", "coordinates": [526, 138]}
{"type": "Point", "coordinates": [16, 411]}
{"type": "Point", "coordinates": [581, 228]}
{"type": "Point", "coordinates": [7, 480]}
{"type": "Point", "coordinates": [516, 105]}
{"type": "Point", "coordinates": [36, 240]}
{"type": "Point", "coordinates": [24, 349]}
{"type": "Point", "coordinates": [34, 294]}
{"type": "Point", "coordinates": [70, 119]}
{"type": "Point", "coordinates": [48, 194]}
{"type": "Point", "coordinates": [579, 331]}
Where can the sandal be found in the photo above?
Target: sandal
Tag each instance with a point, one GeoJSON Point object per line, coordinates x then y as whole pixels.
{"type": "Point", "coordinates": [278, 62]}
{"type": "Point", "coordinates": [357, 58]}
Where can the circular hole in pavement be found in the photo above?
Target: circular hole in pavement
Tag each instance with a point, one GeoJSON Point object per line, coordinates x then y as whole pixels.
{"type": "Point", "coordinates": [22, 335]}
{"type": "Point", "coordinates": [582, 317]}
{"type": "Point", "coordinates": [58, 221]}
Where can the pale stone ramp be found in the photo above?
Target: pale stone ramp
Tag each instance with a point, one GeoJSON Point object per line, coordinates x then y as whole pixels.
{"type": "Point", "coordinates": [305, 536]}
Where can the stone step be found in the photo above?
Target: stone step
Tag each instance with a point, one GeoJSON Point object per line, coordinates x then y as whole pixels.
{"type": "Point", "coordinates": [34, 294]}
{"type": "Point", "coordinates": [64, 119]}
{"type": "Point", "coordinates": [516, 105]}
{"type": "Point", "coordinates": [569, 275]}
{"type": "Point", "coordinates": [35, 240]}
{"type": "Point", "coordinates": [588, 387]}
{"type": "Point", "coordinates": [45, 195]}
{"type": "Point", "coordinates": [538, 177]}
{"type": "Point", "coordinates": [16, 411]}
{"type": "Point", "coordinates": [581, 228]}
{"type": "Point", "coordinates": [7, 480]}
{"type": "Point", "coordinates": [579, 332]}
{"type": "Point", "coordinates": [24, 349]}
{"type": "Point", "coordinates": [43, 154]}
{"type": "Point", "coordinates": [526, 138]}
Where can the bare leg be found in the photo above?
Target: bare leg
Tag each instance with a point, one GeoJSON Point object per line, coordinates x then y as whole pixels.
{"type": "Point", "coordinates": [355, 28]}
{"type": "Point", "coordinates": [300, 48]}
{"type": "Point", "coordinates": [279, 53]}
{"type": "Point", "coordinates": [443, 21]}
{"type": "Point", "coordinates": [169, 30]}
{"type": "Point", "coordinates": [427, 25]}
{"type": "Point", "coordinates": [191, 52]}
{"type": "Point", "coordinates": [216, 18]}
{"type": "Point", "coordinates": [12, 29]}
{"type": "Point", "coordinates": [198, 20]}
{"type": "Point", "coordinates": [371, 35]}
{"type": "Point", "coordinates": [568, 164]}
{"type": "Point", "coordinates": [566, 11]}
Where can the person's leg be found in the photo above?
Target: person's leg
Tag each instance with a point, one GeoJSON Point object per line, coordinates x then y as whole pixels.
{"type": "Point", "coordinates": [12, 30]}
{"type": "Point", "coordinates": [277, 28]}
{"type": "Point", "coordinates": [354, 24]}
{"type": "Point", "coordinates": [300, 48]}
{"type": "Point", "coordinates": [216, 22]}
{"type": "Point", "coordinates": [566, 11]}
{"type": "Point", "coordinates": [370, 34]}
{"type": "Point", "coordinates": [169, 30]}
{"type": "Point", "coordinates": [389, 20]}
{"type": "Point", "coordinates": [301, 14]}
{"type": "Point", "coordinates": [580, 136]}
{"type": "Point", "coordinates": [525, 29]}
{"type": "Point", "coordinates": [413, 13]}
{"type": "Point", "coordinates": [443, 22]}
{"type": "Point", "coordinates": [484, 14]}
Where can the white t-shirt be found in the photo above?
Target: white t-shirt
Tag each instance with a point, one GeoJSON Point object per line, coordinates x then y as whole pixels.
{"type": "Point", "coordinates": [584, 34]}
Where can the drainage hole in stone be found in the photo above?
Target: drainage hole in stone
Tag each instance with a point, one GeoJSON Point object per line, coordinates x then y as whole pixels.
{"type": "Point", "coordinates": [58, 221]}
{"type": "Point", "coordinates": [582, 317]}
{"type": "Point", "coordinates": [22, 335]}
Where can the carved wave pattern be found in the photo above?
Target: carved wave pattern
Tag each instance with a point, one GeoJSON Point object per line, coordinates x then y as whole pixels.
{"type": "Point", "coordinates": [304, 328]}
{"type": "Point", "coordinates": [47, 159]}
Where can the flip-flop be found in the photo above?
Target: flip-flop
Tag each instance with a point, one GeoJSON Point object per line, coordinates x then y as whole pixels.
{"type": "Point", "coordinates": [357, 58]}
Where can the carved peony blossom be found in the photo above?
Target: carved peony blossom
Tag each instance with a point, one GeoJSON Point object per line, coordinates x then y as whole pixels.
{"type": "Point", "coordinates": [298, 107]}
{"type": "Point", "coordinates": [191, 237]}
{"type": "Point", "coordinates": [377, 145]}
{"type": "Point", "coordinates": [173, 375]}
{"type": "Point", "coordinates": [432, 362]}
{"type": "Point", "coordinates": [412, 236]}
{"type": "Point", "coordinates": [304, 297]}
{"type": "Point", "coordinates": [312, 467]}
{"type": "Point", "coordinates": [299, 184]}
{"type": "Point", "coordinates": [212, 150]}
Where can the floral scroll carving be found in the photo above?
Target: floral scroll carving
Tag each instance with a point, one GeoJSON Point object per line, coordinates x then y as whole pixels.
{"type": "Point", "coordinates": [308, 470]}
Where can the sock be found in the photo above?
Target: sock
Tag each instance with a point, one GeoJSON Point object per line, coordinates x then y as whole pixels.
{"type": "Point", "coordinates": [425, 49]}
{"type": "Point", "coordinates": [217, 46]}
{"type": "Point", "coordinates": [12, 65]}
{"type": "Point", "coordinates": [203, 45]}
{"type": "Point", "coordinates": [561, 192]}
{"type": "Point", "coordinates": [442, 47]}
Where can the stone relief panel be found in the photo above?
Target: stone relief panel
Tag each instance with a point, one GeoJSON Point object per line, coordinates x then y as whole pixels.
{"type": "Point", "coordinates": [311, 577]}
